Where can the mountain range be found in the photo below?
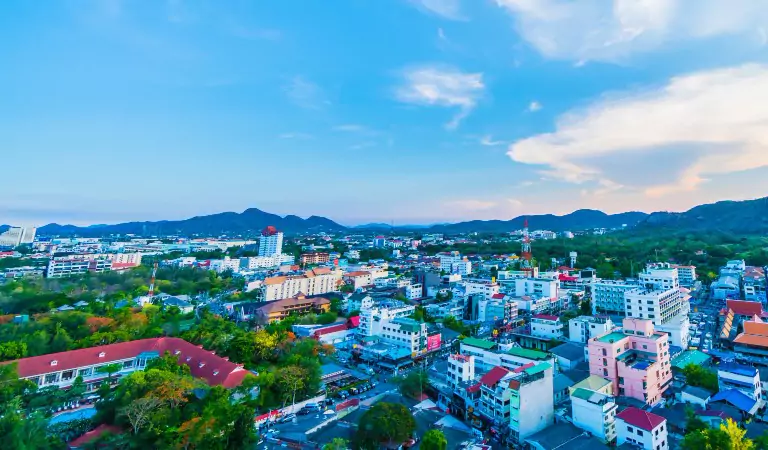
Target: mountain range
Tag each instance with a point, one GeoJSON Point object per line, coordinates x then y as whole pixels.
{"type": "Point", "coordinates": [749, 216]}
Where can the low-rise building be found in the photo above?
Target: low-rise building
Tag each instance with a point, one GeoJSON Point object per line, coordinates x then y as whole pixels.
{"type": "Point", "coordinates": [642, 428]}
{"type": "Point", "coordinates": [277, 310]}
{"type": "Point", "coordinates": [66, 266]}
{"type": "Point", "coordinates": [314, 258]}
{"type": "Point", "coordinates": [546, 326]}
{"type": "Point", "coordinates": [583, 328]}
{"type": "Point", "coordinates": [318, 281]}
{"type": "Point", "coordinates": [594, 412]}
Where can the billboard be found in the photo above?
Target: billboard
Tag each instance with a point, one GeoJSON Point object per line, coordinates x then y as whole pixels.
{"type": "Point", "coordinates": [433, 342]}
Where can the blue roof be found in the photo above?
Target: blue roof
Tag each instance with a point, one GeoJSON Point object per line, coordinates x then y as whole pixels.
{"type": "Point", "coordinates": [739, 369]}
{"type": "Point", "coordinates": [735, 398]}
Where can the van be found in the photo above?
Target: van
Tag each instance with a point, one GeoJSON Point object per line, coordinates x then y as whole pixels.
{"type": "Point", "coordinates": [312, 407]}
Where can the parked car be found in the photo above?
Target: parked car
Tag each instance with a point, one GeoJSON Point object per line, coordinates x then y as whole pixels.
{"type": "Point", "coordinates": [286, 418]}
{"type": "Point", "coordinates": [354, 391]}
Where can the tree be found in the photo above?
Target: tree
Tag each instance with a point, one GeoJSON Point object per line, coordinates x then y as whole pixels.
{"type": "Point", "coordinates": [700, 376]}
{"type": "Point", "coordinates": [694, 423]}
{"type": "Point", "coordinates": [385, 423]}
{"type": "Point", "coordinates": [336, 444]}
{"type": "Point", "coordinates": [585, 307]}
{"type": "Point", "coordinates": [109, 369]}
{"type": "Point", "coordinates": [434, 440]}
{"type": "Point", "coordinates": [412, 385]}
{"type": "Point", "coordinates": [728, 436]}
{"type": "Point", "coordinates": [138, 412]}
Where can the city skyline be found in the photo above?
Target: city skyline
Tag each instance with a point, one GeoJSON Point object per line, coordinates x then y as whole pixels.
{"type": "Point", "coordinates": [406, 111]}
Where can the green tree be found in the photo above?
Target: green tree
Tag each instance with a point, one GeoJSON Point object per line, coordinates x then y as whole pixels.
{"type": "Point", "coordinates": [413, 384]}
{"type": "Point", "coordinates": [336, 444]}
{"type": "Point", "coordinates": [434, 440]}
{"type": "Point", "coordinates": [385, 423]}
{"type": "Point", "coordinates": [700, 376]}
{"type": "Point", "coordinates": [585, 307]}
{"type": "Point", "coordinates": [109, 369]}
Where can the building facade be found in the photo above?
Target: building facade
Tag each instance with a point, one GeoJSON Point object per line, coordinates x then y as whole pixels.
{"type": "Point", "coordinates": [583, 328]}
{"type": "Point", "coordinates": [642, 428]}
{"type": "Point", "coordinates": [313, 282]}
{"type": "Point", "coordinates": [66, 266]}
{"type": "Point", "coordinates": [15, 236]}
{"type": "Point", "coordinates": [594, 412]}
{"type": "Point", "coordinates": [608, 296]}
{"type": "Point", "coordinates": [546, 326]}
{"type": "Point", "coordinates": [271, 242]}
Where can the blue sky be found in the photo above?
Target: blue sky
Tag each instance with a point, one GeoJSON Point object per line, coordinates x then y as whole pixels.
{"type": "Point", "coordinates": [404, 111]}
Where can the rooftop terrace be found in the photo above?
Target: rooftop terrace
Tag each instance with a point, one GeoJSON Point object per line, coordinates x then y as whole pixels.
{"type": "Point", "coordinates": [611, 337]}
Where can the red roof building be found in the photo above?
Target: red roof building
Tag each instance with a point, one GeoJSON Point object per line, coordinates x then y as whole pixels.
{"type": "Point", "coordinates": [493, 376]}
{"type": "Point", "coordinates": [60, 369]}
{"type": "Point", "coordinates": [641, 419]}
{"type": "Point", "coordinates": [546, 317]}
{"type": "Point", "coordinates": [744, 307]}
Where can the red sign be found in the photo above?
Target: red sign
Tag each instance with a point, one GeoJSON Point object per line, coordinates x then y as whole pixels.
{"type": "Point", "coordinates": [433, 342]}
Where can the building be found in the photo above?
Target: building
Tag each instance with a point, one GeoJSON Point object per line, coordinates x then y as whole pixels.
{"type": "Point", "coordinates": [61, 369]}
{"type": "Point", "coordinates": [642, 428]}
{"type": "Point", "coordinates": [373, 319]}
{"type": "Point", "coordinates": [608, 296]}
{"type": "Point", "coordinates": [583, 328]}
{"type": "Point", "coordinates": [271, 242]}
{"type": "Point", "coordinates": [660, 299]}
{"type": "Point", "coordinates": [357, 302]}
{"type": "Point", "coordinates": [546, 326]}
{"type": "Point", "coordinates": [568, 355]}
{"type": "Point", "coordinates": [536, 287]}
{"type": "Point", "coordinates": [745, 379]}
{"type": "Point", "coordinates": [314, 258]}
{"type": "Point", "coordinates": [359, 279]}
{"type": "Point", "coordinates": [352, 254]}
{"type": "Point", "coordinates": [15, 236]}
{"type": "Point", "coordinates": [222, 265]}
{"type": "Point", "coordinates": [317, 281]}
{"type": "Point", "coordinates": [636, 360]}
{"type": "Point", "coordinates": [66, 266]}
{"type": "Point", "coordinates": [407, 333]}
{"type": "Point", "coordinates": [453, 262]}
{"type": "Point", "coordinates": [489, 354]}
{"type": "Point", "coordinates": [594, 412]}
{"type": "Point", "coordinates": [379, 242]}
{"type": "Point", "coordinates": [461, 369]}
{"type": "Point", "coordinates": [687, 275]}
{"type": "Point", "coordinates": [414, 291]}
{"type": "Point", "coordinates": [754, 284]}
{"type": "Point", "coordinates": [504, 311]}
{"type": "Point", "coordinates": [263, 262]}
{"type": "Point", "coordinates": [487, 288]}
{"type": "Point", "coordinates": [531, 401]}
{"type": "Point", "coordinates": [277, 310]}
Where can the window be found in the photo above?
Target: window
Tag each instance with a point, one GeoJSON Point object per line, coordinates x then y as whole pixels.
{"type": "Point", "coordinates": [621, 380]}
{"type": "Point", "coordinates": [605, 372]}
{"type": "Point", "coordinates": [630, 429]}
{"type": "Point", "coordinates": [67, 375]}
{"type": "Point", "coordinates": [639, 433]}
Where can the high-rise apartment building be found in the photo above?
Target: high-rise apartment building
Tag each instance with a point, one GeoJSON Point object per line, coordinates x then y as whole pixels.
{"type": "Point", "coordinates": [608, 296]}
{"type": "Point", "coordinates": [271, 242]}
{"type": "Point", "coordinates": [15, 236]}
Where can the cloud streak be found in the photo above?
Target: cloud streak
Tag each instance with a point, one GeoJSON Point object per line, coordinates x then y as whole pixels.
{"type": "Point", "coordinates": [447, 9]}
{"type": "Point", "coordinates": [711, 118]}
{"type": "Point", "coordinates": [305, 93]}
{"type": "Point", "coordinates": [442, 86]}
{"type": "Point", "coordinates": [602, 30]}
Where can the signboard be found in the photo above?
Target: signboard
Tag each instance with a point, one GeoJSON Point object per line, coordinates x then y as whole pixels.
{"type": "Point", "coordinates": [433, 342]}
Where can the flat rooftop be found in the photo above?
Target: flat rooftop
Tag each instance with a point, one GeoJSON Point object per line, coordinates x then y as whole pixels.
{"type": "Point", "coordinates": [611, 337]}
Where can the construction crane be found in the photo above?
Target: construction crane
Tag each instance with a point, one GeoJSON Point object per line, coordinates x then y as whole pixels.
{"type": "Point", "coordinates": [151, 291]}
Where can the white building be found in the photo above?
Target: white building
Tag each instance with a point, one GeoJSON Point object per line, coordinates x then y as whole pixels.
{"type": "Point", "coordinates": [461, 369]}
{"type": "Point", "coordinates": [414, 291]}
{"type": "Point", "coordinates": [489, 354]}
{"type": "Point", "coordinates": [745, 379]}
{"type": "Point", "coordinates": [608, 296]}
{"type": "Point", "coordinates": [357, 302]}
{"type": "Point", "coordinates": [406, 333]}
{"type": "Point", "coordinates": [454, 263]}
{"type": "Point", "coordinates": [271, 242]}
{"type": "Point", "coordinates": [583, 328]}
{"type": "Point", "coordinates": [261, 262]}
{"type": "Point", "coordinates": [485, 287]}
{"type": "Point", "coordinates": [660, 299]}
{"type": "Point", "coordinates": [76, 265]}
{"type": "Point", "coordinates": [352, 254]}
{"type": "Point", "coordinates": [15, 236]}
{"type": "Point", "coordinates": [539, 287]}
{"type": "Point", "coordinates": [372, 319]}
{"type": "Point", "coordinates": [222, 265]}
{"type": "Point", "coordinates": [546, 326]}
{"type": "Point", "coordinates": [594, 412]}
{"type": "Point", "coordinates": [125, 258]}
{"type": "Point", "coordinates": [317, 281]}
{"type": "Point", "coordinates": [531, 401]}
{"type": "Point", "coordinates": [687, 275]}
{"type": "Point", "coordinates": [642, 428]}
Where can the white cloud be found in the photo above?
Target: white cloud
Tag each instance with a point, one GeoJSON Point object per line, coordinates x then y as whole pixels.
{"type": "Point", "coordinates": [305, 93]}
{"type": "Point", "coordinates": [607, 30]}
{"type": "Point", "coordinates": [534, 106]}
{"type": "Point", "coordinates": [441, 35]}
{"type": "Point", "coordinates": [442, 86]}
{"type": "Point", "coordinates": [703, 124]}
{"type": "Point", "coordinates": [448, 9]}
{"type": "Point", "coordinates": [489, 142]}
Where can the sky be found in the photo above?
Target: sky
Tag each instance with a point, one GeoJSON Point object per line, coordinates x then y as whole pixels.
{"type": "Point", "coordinates": [396, 111]}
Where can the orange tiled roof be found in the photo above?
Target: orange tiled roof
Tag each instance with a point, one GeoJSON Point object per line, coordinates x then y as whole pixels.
{"type": "Point", "coordinates": [751, 339]}
{"type": "Point", "coordinates": [756, 328]}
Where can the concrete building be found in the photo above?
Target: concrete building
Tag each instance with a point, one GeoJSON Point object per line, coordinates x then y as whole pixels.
{"type": "Point", "coordinates": [373, 319]}
{"type": "Point", "coordinates": [637, 360]}
{"type": "Point", "coordinates": [66, 266]}
{"type": "Point", "coordinates": [486, 288]}
{"type": "Point", "coordinates": [314, 258]}
{"type": "Point", "coordinates": [489, 354]}
{"type": "Point", "coordinates": [583, 328]}
{"type": "Point", "coordinates": [222, 265]}
{"type": "Point", "coordinates": [277, 310]}
{"type": "Point", "coordinates": [263, 262]}
{"type": "Point", "coordinates": [608, 296]}
{"type": "Point", "coordinates": [745, 379]}
{"type": "Point", "coordinates": [461, 370]}
{"type": "Point", "coordinates": [271, 242]}
{"type": "Point", "coordinates": [536, 287]}
{"type": "Point", "coordinates": [406, 333]}
{"type": "Point", "coordinates": [317, 281]}
{"type": "Point", "coordinates": [15, 236]}
{"type": "Point", "coordinates": [546, 326]}
{"type": "Point", "coordinates": [501, 311]}
{"type": "Point", "coordinates": [414, 291]}
{"type": "Point", "coordinates": [531, 401]}
{"type": "Point", "coordinates": [641, 428]}
{"type": "Point", "coordinates": [594, 412]}
{"type": "Point", "coordinates": [754, 284]}
{"type": "Point", "coordinates": [454, 263]}
{"type": "Point", "coordinates": [130, 259]}
{"type": "Point", "coordinates": [687, 275]}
